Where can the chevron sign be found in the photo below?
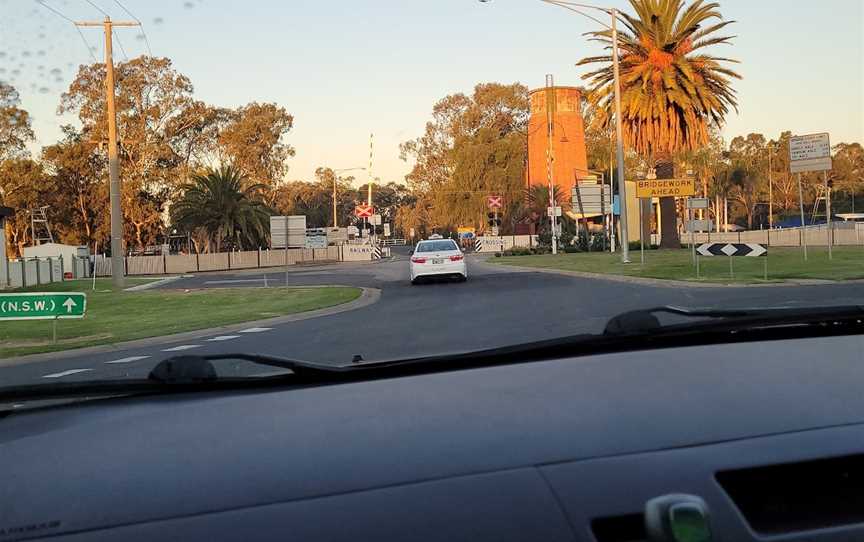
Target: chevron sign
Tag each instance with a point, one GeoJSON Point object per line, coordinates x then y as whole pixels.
{"type": "Point", "coordinates": [750, 250]}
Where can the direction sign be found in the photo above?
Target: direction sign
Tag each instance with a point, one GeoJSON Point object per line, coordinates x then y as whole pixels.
{"type": "Point", "coordinates": [751, 250]}
{"type": "Point", "coordinates": [42, 306]}
{"type": "Point", "coordinates": [364, 211]}
{"type": "Point", "coordinates": [810, 153]}
{"type": "Point", "coordinates": [495, 202]}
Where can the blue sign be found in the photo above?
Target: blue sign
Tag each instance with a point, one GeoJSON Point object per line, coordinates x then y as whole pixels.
{"type": "Point", "coordinates": [616, 205]}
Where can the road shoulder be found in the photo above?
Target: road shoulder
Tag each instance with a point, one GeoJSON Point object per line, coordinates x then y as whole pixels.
{"type": "Point", "coordinates": [368, 296]}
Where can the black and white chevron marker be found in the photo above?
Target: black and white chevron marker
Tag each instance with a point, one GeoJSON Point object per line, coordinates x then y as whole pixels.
{"type": "Point", "coordinates": [751, 250]}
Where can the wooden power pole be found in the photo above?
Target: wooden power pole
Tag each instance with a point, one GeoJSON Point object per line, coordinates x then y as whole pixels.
{"type": "Point", "coordinates": [117, 271]}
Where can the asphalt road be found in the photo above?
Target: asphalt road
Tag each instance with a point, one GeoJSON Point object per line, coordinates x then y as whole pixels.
{"type": "Point", "coordinates": [498, 306]}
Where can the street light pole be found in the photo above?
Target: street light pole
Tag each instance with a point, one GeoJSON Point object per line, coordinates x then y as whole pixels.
{"type": "Point", "coordinates": [622, 190]}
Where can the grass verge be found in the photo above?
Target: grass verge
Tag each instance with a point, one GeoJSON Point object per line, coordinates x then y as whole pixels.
{"type": "Point", "coordinates": [124, 316]}
{"type": "Point", "coordinates": [783, 264]}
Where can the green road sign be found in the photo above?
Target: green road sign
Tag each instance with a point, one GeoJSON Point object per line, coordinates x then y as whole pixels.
{"type": "Point", "coordinates": [47, 306]}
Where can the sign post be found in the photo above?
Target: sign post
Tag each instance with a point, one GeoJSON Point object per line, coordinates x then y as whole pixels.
{"type": "Point", "coordinates": [811, 153]}
{"type": "Point", "coordinates": [733, 250]}
{"type": "Point", "coordinates": [43, 306]}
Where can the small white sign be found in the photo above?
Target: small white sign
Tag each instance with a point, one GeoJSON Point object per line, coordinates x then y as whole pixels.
{"type": "Point", "coordinates": [375, 220]}
{"type": "Point", "coordinates": [352, 230]}
{"type": "Point", "coordinates": [494, 231]}
{"type": "Point", "coordinates": [810, 153]}
{"type": "Point", "coordinates": [553, 211]}
{"type": "Point", "coordinates": [387, 229]}
{"type": "Point", "coordinates": [698, 203]}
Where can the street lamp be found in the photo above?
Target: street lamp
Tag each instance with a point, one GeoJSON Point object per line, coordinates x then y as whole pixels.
{"type": "Point", "coordinates": [336, 173]}
{"type": "Point", "coordinates": [622, 189]}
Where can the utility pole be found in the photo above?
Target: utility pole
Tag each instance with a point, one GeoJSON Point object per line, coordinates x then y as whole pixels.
{"type": "Point", "coordinates": [117, 271]}
{"type": "Point", "coordinates": [551, 103]}
{"type": "Point", "coordinates": [770, 188]}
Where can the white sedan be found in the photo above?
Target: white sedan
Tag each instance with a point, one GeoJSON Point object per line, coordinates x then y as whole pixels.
{"type": "Point", "coordinates": [438, 257]}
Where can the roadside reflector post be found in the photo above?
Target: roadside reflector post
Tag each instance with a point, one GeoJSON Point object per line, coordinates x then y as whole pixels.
{"type": "Point", "coordinates": [697, 264]}
{"type": "Point", "coordinates": [731, 268]}
{"type": "Point", "coordinates": [766, 267]}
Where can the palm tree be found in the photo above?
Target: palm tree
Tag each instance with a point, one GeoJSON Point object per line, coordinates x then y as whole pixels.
{"type": "Point", "coordinates": [672, 93]}
{"type": "Point", "coordinates": [222, 206]}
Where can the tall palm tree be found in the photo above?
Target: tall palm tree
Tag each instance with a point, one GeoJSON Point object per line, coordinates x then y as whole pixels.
{"type": "Point", "coordinates": [672, 92]}
{"type": "Point", "coordinates": [224, 207]}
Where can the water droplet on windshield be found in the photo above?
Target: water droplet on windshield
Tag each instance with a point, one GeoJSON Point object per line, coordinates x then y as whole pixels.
{"type": "Point", "coordinates": [188, 5]}
{"type": "Point", "coordinates": [44, 90]}
{"type": "Point", "coordinates": [16, 71]}
{"type": "Point", "coordinates": [26, 54]}
{"type": "Point", "coordinates": [56, 71]}
{"type": "Point", "coordinates": [40, 53]}
{"type": "Point", "coordinates": [158, 20]}
{"type": "Point", "coordinates": [140, 37]}
{"type": "Point", "coordinates": [2, 54]}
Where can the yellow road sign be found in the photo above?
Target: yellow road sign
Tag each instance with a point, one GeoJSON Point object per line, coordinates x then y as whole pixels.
{"type": "Point", "coordinates": [661, 188]}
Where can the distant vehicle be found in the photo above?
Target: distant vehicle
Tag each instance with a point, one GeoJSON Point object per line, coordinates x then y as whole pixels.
{"type": "Point", "coordinates": [440, 258]}
{"type": "Point", "coordinates": [436, 236]}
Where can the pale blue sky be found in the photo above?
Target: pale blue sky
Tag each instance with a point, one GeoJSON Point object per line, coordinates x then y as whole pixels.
{"type": "Point", "coordinates": [345, 69]}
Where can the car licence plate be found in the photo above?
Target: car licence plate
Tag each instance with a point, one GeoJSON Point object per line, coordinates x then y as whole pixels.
{"type": "Point", "coordinates": [437, 261]}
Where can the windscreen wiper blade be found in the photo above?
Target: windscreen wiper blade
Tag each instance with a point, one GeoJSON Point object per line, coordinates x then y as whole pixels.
{"type": "Point", "coordinates": [175, 375]}
{"type": "Point", "coordinates": [645, 321]}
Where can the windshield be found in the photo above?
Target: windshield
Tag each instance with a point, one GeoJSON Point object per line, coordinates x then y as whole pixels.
{"type": "Point", "coordinates": [436, 246]}
{"type": "Point", "coordinates": [187, 178]}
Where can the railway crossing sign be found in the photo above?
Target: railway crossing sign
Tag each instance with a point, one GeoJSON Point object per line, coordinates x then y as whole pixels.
{"type": "Point", "coordinates": [364, 211]}
{"type": "Point", "coordinates": [43, 306]}
{"type": "Point", "coordinates": [750, 250]}
{"type": "Point", "coordinates": [495, 202]}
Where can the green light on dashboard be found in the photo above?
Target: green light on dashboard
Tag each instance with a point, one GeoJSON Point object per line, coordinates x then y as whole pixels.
{"type": "Point", "coordinates": [689, 523]}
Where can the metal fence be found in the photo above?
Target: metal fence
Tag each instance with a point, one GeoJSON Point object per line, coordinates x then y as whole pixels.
{"type": "Point", "coordinates": [24, 272]}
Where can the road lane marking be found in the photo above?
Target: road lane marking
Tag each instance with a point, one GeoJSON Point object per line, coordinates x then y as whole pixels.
{"type": "Point", "coordinates": [182, 348]}
{"type": "Point", "coordinates": [130, 359]}
{"type": "Point", "coordinates": [222, 338]}
{"type": "Point", "coordinates": [235, 281]}
{"type": "Point", "coordinates": [256, 330]}
{"type": "Point", "coordinates": [66, 373]}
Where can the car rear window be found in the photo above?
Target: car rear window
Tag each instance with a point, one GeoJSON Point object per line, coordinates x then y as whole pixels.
{"type": "Point", "coordinates": [436, 246]}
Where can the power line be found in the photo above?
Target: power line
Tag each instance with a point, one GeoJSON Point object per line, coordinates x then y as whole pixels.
{"type": "Point", "coordinates": [137, 20]}
{"type": "Point", "coordinates": [105, 13]}
{"type": "Point", "coordinates": [81, 34]}
{"type": "Point", "coordinates": [122, 49]}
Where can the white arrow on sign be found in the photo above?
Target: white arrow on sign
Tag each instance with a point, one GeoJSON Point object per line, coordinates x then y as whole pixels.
{"type": "Point", "coordinates": [69, 304]}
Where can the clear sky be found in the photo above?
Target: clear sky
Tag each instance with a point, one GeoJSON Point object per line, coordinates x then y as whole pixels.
{"type": "Point", "coordinates": [346, 69]}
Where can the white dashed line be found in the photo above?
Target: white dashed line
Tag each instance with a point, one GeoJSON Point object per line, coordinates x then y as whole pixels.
{"type": "Point", "coordinates": [126, 360]}
{"type": "Point", "coordinates": [256, 330]}
{"type": "Point", "coordinates": [67, 373]}
{"type": "Point", "coordinates": [222, 338]}
{"type": "Point", "coordinates": [182, 348]}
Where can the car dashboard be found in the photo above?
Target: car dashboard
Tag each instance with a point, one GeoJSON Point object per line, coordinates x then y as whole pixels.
{"type": "Point", "coordinates": [769, 435]}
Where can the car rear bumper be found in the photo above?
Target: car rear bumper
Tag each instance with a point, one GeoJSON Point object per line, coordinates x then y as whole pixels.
{"type": "Point", "coordinates": [429, 270]}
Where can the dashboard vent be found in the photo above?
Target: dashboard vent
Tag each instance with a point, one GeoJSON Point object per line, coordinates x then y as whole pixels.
{"type": "Point", "coordinates": [799, 496]}
{"type": "Point", "coordinates": [629, 528]}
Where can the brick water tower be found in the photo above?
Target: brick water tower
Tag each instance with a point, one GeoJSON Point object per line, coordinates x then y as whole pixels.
{"type": "Point", "coordinates": [568, 139]}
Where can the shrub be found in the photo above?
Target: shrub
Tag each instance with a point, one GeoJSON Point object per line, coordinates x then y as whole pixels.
{"type": "Point", "coordinates": [519, 251]}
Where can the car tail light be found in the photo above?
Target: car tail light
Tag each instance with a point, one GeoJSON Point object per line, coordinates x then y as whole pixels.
{"type": "Point", "coordinates": [418, 260]}
{"type": "Point", "coordinates": [457, 258]}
